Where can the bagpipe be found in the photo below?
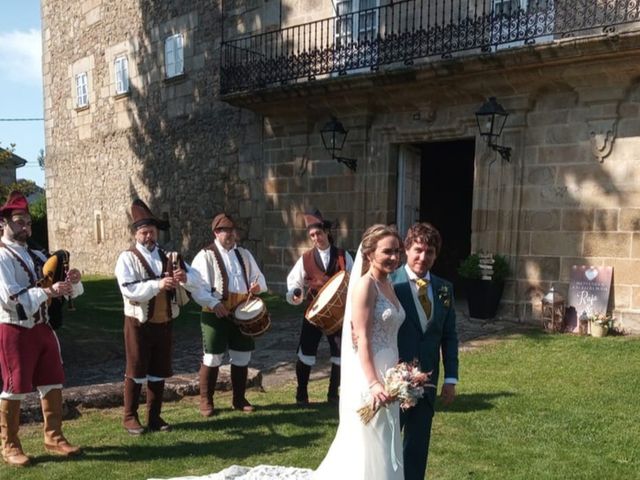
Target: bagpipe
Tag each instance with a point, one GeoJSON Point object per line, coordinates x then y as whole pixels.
{"type": "Point", "coordinates": [180, 295]}
{"type": "Point", "coordinates": [54, 270]}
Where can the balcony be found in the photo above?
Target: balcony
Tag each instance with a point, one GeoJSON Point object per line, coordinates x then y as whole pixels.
{"type": "Point", "coordinates": [409, 32]}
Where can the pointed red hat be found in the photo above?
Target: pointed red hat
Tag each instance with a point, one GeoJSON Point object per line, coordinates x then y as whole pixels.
{"type": "Point", "coordinates": [15, 201]}
{"type": "Point", "coordinates": [142, 216]}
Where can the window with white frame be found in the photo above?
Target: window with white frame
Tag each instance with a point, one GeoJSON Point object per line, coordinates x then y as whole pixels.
{"type": "Point", "coordinates": [122, 74]}
{"type": "Point", "coordinates": [361, 25]}
{"type": "Point", "coordinates": [82, 90]}
{"type": "Point", "coordinates": [174, 55]}
{"type": "Point", "coordinates": [367, 20]}
{"type": "Point", "coordinates": [344, 25]}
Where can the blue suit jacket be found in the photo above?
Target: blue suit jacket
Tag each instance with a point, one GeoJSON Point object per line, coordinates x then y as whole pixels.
{"type": "Point", "coordinates": [440, 336]}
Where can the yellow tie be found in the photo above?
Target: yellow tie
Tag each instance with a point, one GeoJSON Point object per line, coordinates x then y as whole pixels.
{"type": "Point", "coordinates": [423, 286]}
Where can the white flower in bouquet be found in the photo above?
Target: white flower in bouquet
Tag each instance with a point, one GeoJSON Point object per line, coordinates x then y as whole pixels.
{"type": "Point", "coordinates": [405, 383]}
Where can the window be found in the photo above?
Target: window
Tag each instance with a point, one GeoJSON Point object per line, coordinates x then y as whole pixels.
{"type": "Point", "coordinates": [367, 20]}
{"type": "Point", "coordinates": [82, 90]}
{"type": "Point", "coordinates": [165, 235]}
{"type": "Point", "coordinates": [174, 55]}
{"type": "Point", "coordinates": [122, 75]}
{"type": "Point", "coordinates": [98, 227]}
{"type": "Point", "coordinates": [344, 25]}
{"type": "Point", "coordinates": [506, 7]}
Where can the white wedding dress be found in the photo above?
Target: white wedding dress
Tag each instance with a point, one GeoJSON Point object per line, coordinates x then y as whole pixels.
{"type": "Point", "coordinates": [372, 451]}
{"type": "Point", "coordinates": [358, 452]}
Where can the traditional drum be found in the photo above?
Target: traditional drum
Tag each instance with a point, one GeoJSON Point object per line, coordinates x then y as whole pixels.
{"type": "Point", "coordinates": [327, 310]}
{"type": "Point", "coordinates": [252, 317]}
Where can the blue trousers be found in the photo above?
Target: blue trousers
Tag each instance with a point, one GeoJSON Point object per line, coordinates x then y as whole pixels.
{"type": "Point", "coordinates": [416, 428]}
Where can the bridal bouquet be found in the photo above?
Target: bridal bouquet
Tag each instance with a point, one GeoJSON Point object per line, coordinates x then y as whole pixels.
{"type": "Point", "coordinates": [405, 383]}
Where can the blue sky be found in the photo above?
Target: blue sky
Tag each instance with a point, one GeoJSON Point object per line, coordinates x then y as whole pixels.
{"type": "Point", "coordinates": [21, 83]}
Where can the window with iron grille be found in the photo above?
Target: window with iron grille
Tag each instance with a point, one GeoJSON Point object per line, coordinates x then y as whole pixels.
{"type": "Point", "coordinates": [355, 21]}
{"type": "Point", "coordinates": [174, 55]}
{"type": "Point", "coordinates": [507, 7]}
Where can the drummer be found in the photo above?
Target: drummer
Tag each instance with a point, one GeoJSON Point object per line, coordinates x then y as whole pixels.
{"type": "Point", "coordinates": [232, 274]}
{"type": "Point", "coordinates": [316, 266]}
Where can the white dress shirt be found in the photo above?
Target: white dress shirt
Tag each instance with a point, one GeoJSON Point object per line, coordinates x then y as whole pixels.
{"type": "Point", "coordinates": [237, 283]}
{"type": "Point", "coordinates": [422, 316]}
{"type": "Point", "coordinates": [297, 275]}
{"type": "Point", "coordinates": [14, 279]}
{"type": "Point", "coordinates": [128, 274]}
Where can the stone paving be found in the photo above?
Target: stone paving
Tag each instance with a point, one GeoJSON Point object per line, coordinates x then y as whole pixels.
{"type": "Point", "coordinates": [94, 369]}
{"type": "Point", "coordinates": [274, 355]}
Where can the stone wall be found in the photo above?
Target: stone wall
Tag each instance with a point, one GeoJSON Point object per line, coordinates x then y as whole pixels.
{"type": "Point", "coordinates": [169, 141]}
{"type": "Point", "coordinates": [569, 196]}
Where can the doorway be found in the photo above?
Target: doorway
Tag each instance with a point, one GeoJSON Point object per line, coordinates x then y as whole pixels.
{"type": "Point", "coordinates": [435, 185]}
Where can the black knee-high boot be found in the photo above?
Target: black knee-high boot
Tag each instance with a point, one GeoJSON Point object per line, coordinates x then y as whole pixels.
{"type": "Point", "coordinates": [334, 384]}
{"type": "Point", "coordinates": [303, 372]}
{"type": "Point", "coordinates": [239, 386]}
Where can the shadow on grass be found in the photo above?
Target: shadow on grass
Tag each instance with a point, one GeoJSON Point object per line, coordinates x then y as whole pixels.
{"type": "Point", "coordinates": [273, 414]}
{"type": "Point", "coordinates": [222, 448]}
{"type": "Point", "coordinates": [473, 402]}
{"type": "Point", "coordinates": [234, 436]}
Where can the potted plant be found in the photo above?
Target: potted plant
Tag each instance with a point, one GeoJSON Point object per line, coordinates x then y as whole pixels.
{"type": "Point", "coordinates": [483, 295]}
{"type": "Point", "coordinates": [600, 324]}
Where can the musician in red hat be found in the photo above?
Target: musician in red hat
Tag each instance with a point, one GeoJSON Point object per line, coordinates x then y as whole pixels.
{"type": "Point", "coordinates": [316, 266]}
{"type": "Point", "coordinates": [231, 273]}
{"type": "Point", "coordinates": [30, 350]}
{"type": "Point", "coordinates": [149, 281]}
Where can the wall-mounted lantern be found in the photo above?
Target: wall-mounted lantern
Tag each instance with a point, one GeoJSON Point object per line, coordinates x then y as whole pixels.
{"type": "Point", "coordinates": [333, 137]}
{"type": "Point", "coordinates": [491, 118]}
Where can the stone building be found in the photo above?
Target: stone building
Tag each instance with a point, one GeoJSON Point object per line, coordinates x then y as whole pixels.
{"type": "Point", "coordinates": [9, 163]}
{"type": "Point", "coordinates": [226, 102]}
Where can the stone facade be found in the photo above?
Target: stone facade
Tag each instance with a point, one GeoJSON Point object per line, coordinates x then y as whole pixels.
{"type": "Point", "coordinates": [169, 141]}
{"type": "Point", "coordinates": [570, 194]}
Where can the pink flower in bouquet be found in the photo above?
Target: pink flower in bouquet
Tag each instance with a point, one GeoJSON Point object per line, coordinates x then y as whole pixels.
{"type": "Point", "coordinates": [405, 383]}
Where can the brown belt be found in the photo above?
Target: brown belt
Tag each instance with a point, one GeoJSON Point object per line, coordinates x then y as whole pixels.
{"type": "Point", "coordinates": [233, 300]}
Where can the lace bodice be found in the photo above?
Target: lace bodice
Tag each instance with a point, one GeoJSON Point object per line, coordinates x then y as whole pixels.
{"type": "Point", "coordinates": [386, 323]}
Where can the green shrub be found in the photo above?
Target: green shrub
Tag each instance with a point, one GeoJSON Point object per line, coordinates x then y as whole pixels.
{"type": "Point", "coordinates": [470, 267]}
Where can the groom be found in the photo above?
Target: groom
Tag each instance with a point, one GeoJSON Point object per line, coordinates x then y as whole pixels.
{"type": "Point", "coordinates": [429, 329]}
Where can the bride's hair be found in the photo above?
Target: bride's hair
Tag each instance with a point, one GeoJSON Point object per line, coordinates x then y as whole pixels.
{"type": "Point", "coordinates": [370, 240]}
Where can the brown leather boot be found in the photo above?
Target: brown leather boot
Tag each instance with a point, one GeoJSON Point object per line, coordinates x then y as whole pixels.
{"type": "Point", "coordinates": [239, 387]}
{"type": "Point", "coordinates": [208, 379]}
{"type": "Point", "coordinates": [9, 425]}
{"type": "Point", "coordinates": [155, 423]}
{"type": "Point", "coordinates": [303, 371]}
{"type": "Point", "coordinates": [54, 440]}
{"type": "Point", "coordinates": [333, 396]}
{"type": "Point", "coordinates": [131, 422]}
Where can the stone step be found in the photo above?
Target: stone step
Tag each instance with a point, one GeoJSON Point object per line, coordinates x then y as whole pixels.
{"type": "Point", "coordinates": [110, 395]}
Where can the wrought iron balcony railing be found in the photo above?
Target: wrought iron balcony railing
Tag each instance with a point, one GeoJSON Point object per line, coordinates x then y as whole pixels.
{"type": "Point", "coordinates": [407, 31]}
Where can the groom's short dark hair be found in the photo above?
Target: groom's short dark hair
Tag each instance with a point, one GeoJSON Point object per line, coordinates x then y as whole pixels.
{"type": "Point", "coordinates": [423, 233]}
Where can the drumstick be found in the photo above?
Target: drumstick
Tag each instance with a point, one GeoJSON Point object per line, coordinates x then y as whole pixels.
{"type": "Point", "coordinates": [250, 294]}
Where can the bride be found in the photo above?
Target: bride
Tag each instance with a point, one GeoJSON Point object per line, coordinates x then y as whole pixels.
{"type": "Point", "coordinates": [373, 316]}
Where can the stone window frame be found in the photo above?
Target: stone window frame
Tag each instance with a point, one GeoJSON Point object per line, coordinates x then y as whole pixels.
{"type": "Point", "coordinates": [121, 72]}
{"type": "Point", "coordinates": [176, 55]}
{"type": "Point", "coordinates": [82, 90]}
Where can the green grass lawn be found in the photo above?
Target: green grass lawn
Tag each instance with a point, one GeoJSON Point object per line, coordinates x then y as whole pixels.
{"type": "Point", "coordinates": [530, 406]}
{"type": "Point", "coordinates": [104, 302]}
